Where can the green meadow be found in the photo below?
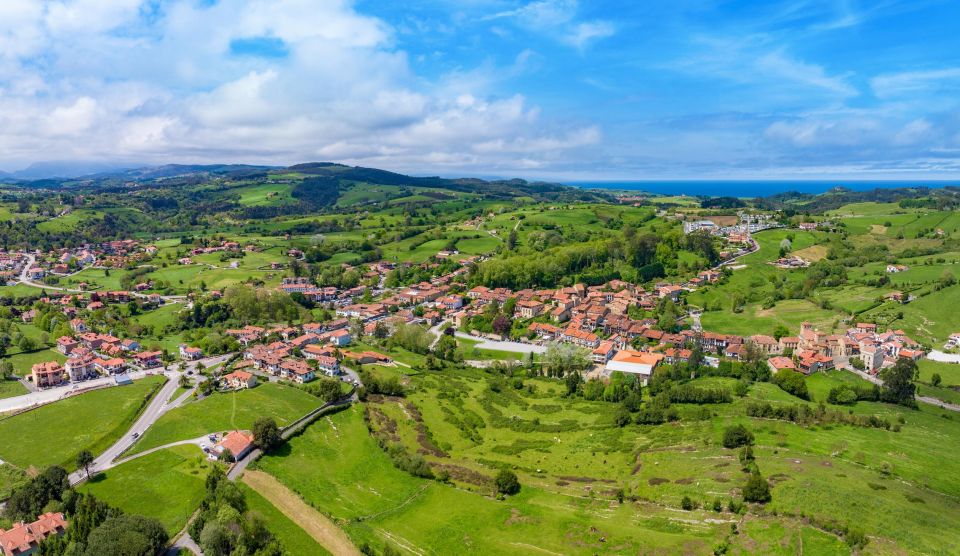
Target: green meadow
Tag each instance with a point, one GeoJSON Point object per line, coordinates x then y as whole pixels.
{"type": "Point", "coordinates": [167, 485]}
{"type": "Point", "coordinates": [228, 411]}
{"type": "Point", "coordinates": [53, 434]}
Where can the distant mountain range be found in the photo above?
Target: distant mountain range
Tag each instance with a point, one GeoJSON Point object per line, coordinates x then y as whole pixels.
{"type": "Point", "coordinates": [73, 170]}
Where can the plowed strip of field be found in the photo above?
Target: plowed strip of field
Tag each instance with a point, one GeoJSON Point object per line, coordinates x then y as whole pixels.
{"type": "Point", "coordinates": [310, 520]}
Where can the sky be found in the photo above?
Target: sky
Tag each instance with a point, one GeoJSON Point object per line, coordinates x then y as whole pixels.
{"type": "Point", "coordinates": [563, 90]}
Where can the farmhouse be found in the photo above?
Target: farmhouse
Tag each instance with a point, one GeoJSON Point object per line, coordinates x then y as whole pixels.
{"type": "Point", "coordinates": [240, 443]}
{"type": "Point", "coordinates": [529, 309]}
{"type": "Point", "coordinates": [780, 363]}
{"type": "Point", "coordinates": [190, 353]}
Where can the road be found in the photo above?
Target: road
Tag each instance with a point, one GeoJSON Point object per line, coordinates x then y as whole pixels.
{"type": "Point", "coordinates": [31, 260]}
{"type": "Point", "coordinates": [499, 345]}
{"type": "Point", "coordinates": [57, 393]}
{"type": "Point", "coordinates": [942, 357]}
{"type": "Point", "coordinates": [157, 407]}
{"type": "Point", "coordinates": [923, 399]}
{"type": "Point", "coordinates": [50, 395]}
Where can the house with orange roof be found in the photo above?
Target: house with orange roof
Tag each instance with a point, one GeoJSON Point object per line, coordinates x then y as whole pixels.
{"type": "Point", "coordinates": [641, 363]}
{"type": "Point", "coordinates": [239, 443]}
{"type": "Point", "coordinates": [239, 379]}
{"type": "Point", "coordinates": [602, 353]}
{"type": "Point", "coordinates": [47, 374]}
{"type": "Point", "coordinates": [24, 538]}
{"type": "Point", "coordinates": [780, 363]}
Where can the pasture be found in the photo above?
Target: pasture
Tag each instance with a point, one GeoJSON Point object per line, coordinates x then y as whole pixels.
{"type": "Point", "coordinates": [53, 434]}
{"type": "Point", "coordinates": [228, 411]}
{"type": "Point", "coordinates": [167, 485]}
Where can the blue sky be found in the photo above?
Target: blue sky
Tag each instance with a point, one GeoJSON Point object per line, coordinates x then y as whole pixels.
{"type": "Point", "coordinates": [553, 89]}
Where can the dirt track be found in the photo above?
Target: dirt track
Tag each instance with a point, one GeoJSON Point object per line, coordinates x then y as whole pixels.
{"type": "Point", "coordinates": [310, 520]}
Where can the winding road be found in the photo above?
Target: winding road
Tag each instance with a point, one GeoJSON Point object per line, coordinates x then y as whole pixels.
{"type": "Point", "coordinates": [32, 260]}
{"type": "Point", "coordinates": [159, 405]}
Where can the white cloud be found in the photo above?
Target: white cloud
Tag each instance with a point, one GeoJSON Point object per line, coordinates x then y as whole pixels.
{"type": "Point", "coordinates": [913, 82]}
{"type": "Point", "coordinates": [780, 65]}
{"type": "Point", "coordinates": [100, 80]}
{"type": "Point", "coordinates": [584, 33]}
{"type": "Point", "coordinates": [557, 18]}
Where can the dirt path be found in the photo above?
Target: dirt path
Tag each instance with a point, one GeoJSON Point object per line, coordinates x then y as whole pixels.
{"type": "Point", "coordinates": [310, 520]}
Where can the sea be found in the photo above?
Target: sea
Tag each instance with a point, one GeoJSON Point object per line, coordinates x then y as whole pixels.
{"type": "Point", "coordinates": [753, 188]}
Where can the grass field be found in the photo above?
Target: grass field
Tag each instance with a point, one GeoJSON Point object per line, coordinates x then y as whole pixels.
{"type": "Point", "coordinates": [566, 449]}
{"type": "Point", "coordinates": [53, 434]}
{"type": "Point", "coordinates": [228, 411]}
{"type": "Point", "coordinates": [294, 539]}
{"type": "Point", "coordinates": [756, 320]}
{"type": "Point", "coordinates": [167, 485]}
{"type": "Point", "coordinates": [340, 470]}
{"type": "Point", "coordinates": [10, 478]}
{"type": "Point", "coordinates": [949, 372]}
{"type": "Point", "coordinates": [11, 388]}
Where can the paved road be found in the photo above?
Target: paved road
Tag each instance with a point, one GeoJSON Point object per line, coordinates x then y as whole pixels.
{"type": "Point", "coordinates": [185, 545]}
{"type": "Point", "coordinates": [942, 357]}
{"type": "Point", "coordinates": [31, 260]}
{"type": "Point", "coordinates": [514, 347]}
{"type": "Point", "coordinates": [924, 399]}
{"type": "Point", "coordinates": [198, 441]}
{"type": "Point", "coordinates": [157, 407]}
{"type": "Point", "coordinates": [50, 395]}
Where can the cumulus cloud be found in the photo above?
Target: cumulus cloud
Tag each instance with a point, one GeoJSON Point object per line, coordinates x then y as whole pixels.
{"type": "Point", "coordinates": [152, 82]}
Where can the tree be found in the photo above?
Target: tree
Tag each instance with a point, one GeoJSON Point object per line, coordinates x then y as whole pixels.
{"type": "Point", "coordinates": [898, 383]}
{"type": "Point", "coordinates": [573, 382]}
{"type": "Point", "coordinates": [757, 489]}
{"type": "Point", "coordinates": [216, 540]}
{"type": "Point", "coordinates": [561, 359]}
{"type": "Point", "coordinates": [736, 436]}
{"type": "Point", "coordinates": [792, 382]}
{"type": "Point", "coordinates": [501, 325]}
{"type": "Point", "coordinates": [622, 417]}
{"type": "Point", "coordinates": [127, 535]}
{"type": "Point", "coordinates": [936, 379]}
{"type": "Point", "coordinates": [84, 461]}
{"type": "Point", "coordinates": [266, 433]}
{"type": "Point", "coordinates": [507, 482]}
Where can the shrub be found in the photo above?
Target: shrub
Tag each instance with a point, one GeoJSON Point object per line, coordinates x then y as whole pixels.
{"type": "Point", "coordinates": [757, 489]}
{"type": "Point", "coordinates": [793, 383]}
{"type": "Point", "coordinates": [736, 436]}
{"type": "Point", "coordinates": [507, 482]}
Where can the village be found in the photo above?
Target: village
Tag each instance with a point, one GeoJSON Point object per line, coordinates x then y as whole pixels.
{"type": "Point", "coordinates": [604, 319]}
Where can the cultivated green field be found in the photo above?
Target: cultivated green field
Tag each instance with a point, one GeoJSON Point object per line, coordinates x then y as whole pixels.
{"type": "Point", "coordinates": [167, 485]}
{"type": "Point", "coordinates": [53, 434]}
{"type": "Point", "coordinates": [295, 541]}
{"type": "Point", "coordinates": [336, 467]}
{"type": "Point", "coordinates": [566, 449]}
{"type": "Point", "coordinates": [228, 411]}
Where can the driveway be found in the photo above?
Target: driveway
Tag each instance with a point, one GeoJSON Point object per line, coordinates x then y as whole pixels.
{"type": "Point", "coordinates": [513, 347]}
{"type": "Point", "coordinates": [942, 357]}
